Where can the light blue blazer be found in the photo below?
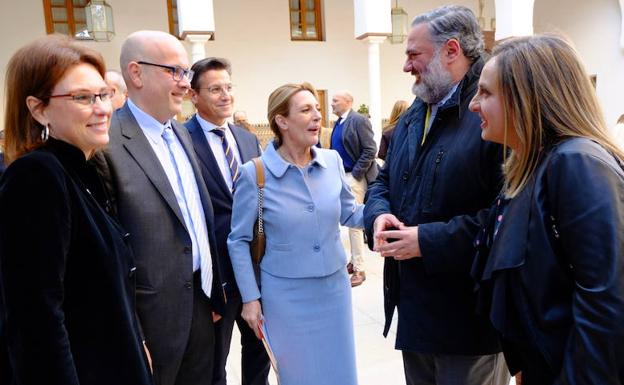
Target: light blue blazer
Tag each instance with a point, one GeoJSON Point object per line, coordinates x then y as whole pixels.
{"type": "Point", "coordinates": [303, 208]}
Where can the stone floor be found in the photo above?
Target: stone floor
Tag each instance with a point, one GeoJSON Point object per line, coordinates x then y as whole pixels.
{"type": "Point", "coordinates": [377, 361]}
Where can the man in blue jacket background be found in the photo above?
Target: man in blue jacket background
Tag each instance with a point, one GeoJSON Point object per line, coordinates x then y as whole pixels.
{"type": "Point", "coordinates": [422, 210]}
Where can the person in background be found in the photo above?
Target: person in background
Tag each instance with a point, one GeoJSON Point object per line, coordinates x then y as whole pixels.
{"type": "Point", "coordinates": [352, 138]}
{"type": "Point", "coordinates": [221, 148]}
{"type": "Point", "coordinates": [551, 256]}
{"type": "Point", "coordinates": [2, 165]}
{"type": "Point", "coordinates": [67, 272]}
{"type": "Point", "coordinates": [115, 80]}
{"type": "Point", "coordinates": [400, 106]}
{"type": "Point", "coordinates": [305, 294]}
{"type": "Point", "coordinates": [240, 119]}
{"type": "Point", "coordinates": [619, 132]}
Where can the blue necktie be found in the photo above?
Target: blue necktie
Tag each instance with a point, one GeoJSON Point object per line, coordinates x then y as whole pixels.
{"type": "Point", "coordinates": [193, 209]}
{"type": "Point", "coordinates": [229, 155]}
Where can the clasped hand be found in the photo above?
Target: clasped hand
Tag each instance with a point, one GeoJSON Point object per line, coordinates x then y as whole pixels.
{"type": "Point", "coordinates": [393, 239]}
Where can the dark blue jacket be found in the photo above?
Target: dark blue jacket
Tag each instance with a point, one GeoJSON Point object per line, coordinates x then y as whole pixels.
{"type": "Point", "coordinates": [220, 194]}
{"type": "Point", "coordinates": [553, 281]}
{"type": "Point", "coordinates": [439, 186]}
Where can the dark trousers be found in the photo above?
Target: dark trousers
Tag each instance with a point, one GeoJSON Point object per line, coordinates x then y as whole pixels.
{"type": "Point", "coordinates": [197, 363]}
{"type": "Point", "coordinates": [446, 369]}
{"type": "Point", "coordinates": [254, 361]}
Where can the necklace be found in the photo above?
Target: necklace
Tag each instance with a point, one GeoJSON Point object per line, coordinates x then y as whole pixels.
{"type": "Point", "coordinates": [290, 160]}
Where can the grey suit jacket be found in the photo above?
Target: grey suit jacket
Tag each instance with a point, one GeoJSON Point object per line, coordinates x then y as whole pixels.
{"type": "Point", "coordinates": [358, 141]}
{"type": "Point", "coordinates": [147, 208]}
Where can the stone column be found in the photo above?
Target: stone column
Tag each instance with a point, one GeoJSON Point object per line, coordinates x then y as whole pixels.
{"type": "Point", "coordinates": [196, 24]}
{"type": "Point", "coordinates": [374, 83]}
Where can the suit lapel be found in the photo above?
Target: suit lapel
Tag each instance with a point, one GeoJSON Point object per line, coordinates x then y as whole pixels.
{"type": "Point", "coordinates": [135, 142]}
{"type": "Point", "coordinates": [205, 155]}
{"type": "Point", "coordinates": [181, 133]}
{"type": "Point", "coordinates": [246, 148]}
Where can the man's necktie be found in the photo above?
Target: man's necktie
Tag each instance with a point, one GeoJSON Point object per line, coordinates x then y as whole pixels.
{"type": "Point", "coordinates": [229, 155]}
{"type": "Point", "coordinates": [338, 122]}
{"type": "Point", "coordinates": [193, 208]}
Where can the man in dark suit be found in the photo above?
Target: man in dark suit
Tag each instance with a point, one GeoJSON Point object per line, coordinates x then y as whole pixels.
{"type": "Point", "coordinates": [162, 201]}
{"type": "Point", "coordinates": [352, 137]}
{"type": "Point", "coordinates": [221, 148]}
{"type": "Point", "coordinates": [438, 175]}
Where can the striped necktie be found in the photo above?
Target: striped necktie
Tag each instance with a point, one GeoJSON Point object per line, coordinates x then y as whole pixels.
{"type": "Point", "coordinates": [229, 155]}
{"type": "Point", "coordinates": [193, 209]}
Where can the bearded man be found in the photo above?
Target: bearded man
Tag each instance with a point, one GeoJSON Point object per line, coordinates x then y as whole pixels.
{"type": "Point", "coordinates": [423, 210]}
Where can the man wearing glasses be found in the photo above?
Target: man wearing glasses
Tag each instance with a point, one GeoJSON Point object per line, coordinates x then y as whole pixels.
{"type": "Point", "coordinates": [221, 148]}
{"type": "Point", "coordinates": [163, 203]}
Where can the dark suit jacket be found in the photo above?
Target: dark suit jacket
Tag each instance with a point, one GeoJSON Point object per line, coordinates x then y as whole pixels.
{"type": "Point", "coordinates": [148, 209]}
{"type": "Point", "coordinates": [220, 194]}
{"type": "Point", "coordinates": [358, 141]}
{"type": "Point", "coordinates": [67, 276]}
{"type": "Point", "coordinates": [438, 186]}
{"type": "Point", "coordinates": [552, 282]}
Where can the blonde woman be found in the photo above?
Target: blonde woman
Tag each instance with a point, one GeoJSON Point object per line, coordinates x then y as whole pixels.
{"type": "Point", "coordinates": [550, 262]}
{"type": "Point", "coordinates": [400, 106]}
{"type": "Point", "coordinates": [305, 292]}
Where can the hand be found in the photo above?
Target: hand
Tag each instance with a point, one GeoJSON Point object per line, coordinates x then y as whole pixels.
{"type": "Point", "coordinates": [518, 377]}
{"type": "Point", "coordinates": [252, 314]}
{"type": "Point", "coordinates": [149, 357]}
{"type": "Point", "coordinates": [404, 244]}
{"type": "Point", "coordinates": [384, 222]}
{"type": "Point", "coordinates": [216, 317]}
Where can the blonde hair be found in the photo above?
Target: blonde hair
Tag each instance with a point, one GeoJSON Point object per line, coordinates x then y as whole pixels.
{"type": "Point", "coordinates": [400, 106]}
{"type": "Point", "coordinates": [279, 104]}
{"type": "Point", "coordinates": [547, 97]}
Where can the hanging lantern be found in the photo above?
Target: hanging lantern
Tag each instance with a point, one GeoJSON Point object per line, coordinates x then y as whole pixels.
{"type": "Point", "coordinates": [100, 20]}
{"type": "Point", "coordinates": [399, 25]}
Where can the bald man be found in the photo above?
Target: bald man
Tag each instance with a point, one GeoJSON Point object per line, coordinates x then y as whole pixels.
{"type": "Point", "coordinates": [352, 137]}
{"type": "Point", "coordinates": [115, 80]}
{"type": "Point", "coordinates": [162, 202]}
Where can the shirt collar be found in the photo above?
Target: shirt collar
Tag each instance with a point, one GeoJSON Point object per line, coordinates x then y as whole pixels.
{"type": "Point", "coordinates": [447, 97]}
{"type": "Point", "coordinates": [208, 126]}
{"type": "Point", "coordinates": [152, 128]}
{"type": "Point", "coordinates": [345, 115]}
{"type": "Point", "coordinates": [278, 166]}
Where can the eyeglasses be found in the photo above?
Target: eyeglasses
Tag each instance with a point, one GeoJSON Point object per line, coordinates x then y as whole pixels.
{"type": "Point", "coordinates": [177, 72]}
{"type": "Point", "coordinates": [219, 90]}
{"type": "Point", "coordinates": [87, 98]}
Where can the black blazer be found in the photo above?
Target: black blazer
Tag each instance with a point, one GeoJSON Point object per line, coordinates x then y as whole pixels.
{"type": "Point", "coordinates": [220, 194]}
{"type": "Point", "coordinates": [67, 275]}
{"type": "Point", "coordinates": [552, 282]}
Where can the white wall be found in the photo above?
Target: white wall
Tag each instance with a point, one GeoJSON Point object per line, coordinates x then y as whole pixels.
{"type": "Point", "coordinates": [594, 27]}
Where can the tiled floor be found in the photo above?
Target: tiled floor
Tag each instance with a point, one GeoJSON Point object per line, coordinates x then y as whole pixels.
{"type": "Point", "coordinates": [377, 361]}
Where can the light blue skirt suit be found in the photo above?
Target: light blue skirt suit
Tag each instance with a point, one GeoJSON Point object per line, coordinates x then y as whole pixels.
{"type": "Point", "coordinates": [305, 294]}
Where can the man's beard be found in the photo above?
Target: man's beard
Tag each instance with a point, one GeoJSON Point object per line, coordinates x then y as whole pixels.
{"type": "Point", "coordinates": [435, 81]}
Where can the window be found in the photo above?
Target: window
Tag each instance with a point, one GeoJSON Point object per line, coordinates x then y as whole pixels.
{"type": "Point", "coordinates": [67, 17]}
{"type": "Point", "coordinates": [305, 20]}
{"type": "Point", "coordinates": [172, 9]}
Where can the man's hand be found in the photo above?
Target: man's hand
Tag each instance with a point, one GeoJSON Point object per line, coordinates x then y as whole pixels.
{"type": "Point", "coordinates": [216, 317]}
{"type": "Point", "coordinates": [252, 313]}
{"type": "Point", "coordinates": [400, 244]}
{"type": "Point", "coordinates": [384, 222]}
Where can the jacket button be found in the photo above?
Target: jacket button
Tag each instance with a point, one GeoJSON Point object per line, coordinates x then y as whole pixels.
{"type": "Point", "coordinates": [310, 208]}
{"type": "Point", "coordinates": [317, 248]}
{"type": "Point", "coordinates": [188, 285]}
{"type": "Point", "coordinates": [131, 272]}
{"type": "Point", "coordinates": [187, 250]}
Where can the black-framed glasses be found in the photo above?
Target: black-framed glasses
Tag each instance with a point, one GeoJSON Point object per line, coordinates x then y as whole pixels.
{"type": "Point", "coordinates": [87, 98]}
{"type": "Point", "coordinates": [178, 73]}
{"type": "Point", "coordinates": [219, 90]}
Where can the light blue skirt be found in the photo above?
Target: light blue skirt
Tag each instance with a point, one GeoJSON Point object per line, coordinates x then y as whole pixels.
{"type": "Point", "coordinates": [310, 326]}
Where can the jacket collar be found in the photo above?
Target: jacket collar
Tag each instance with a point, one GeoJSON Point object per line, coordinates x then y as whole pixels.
{"type": "Point", "coordinates": [278, 166]}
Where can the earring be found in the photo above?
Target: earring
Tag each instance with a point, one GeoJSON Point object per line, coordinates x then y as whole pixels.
{"type": "Point", "coordinates": [45, 133]}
